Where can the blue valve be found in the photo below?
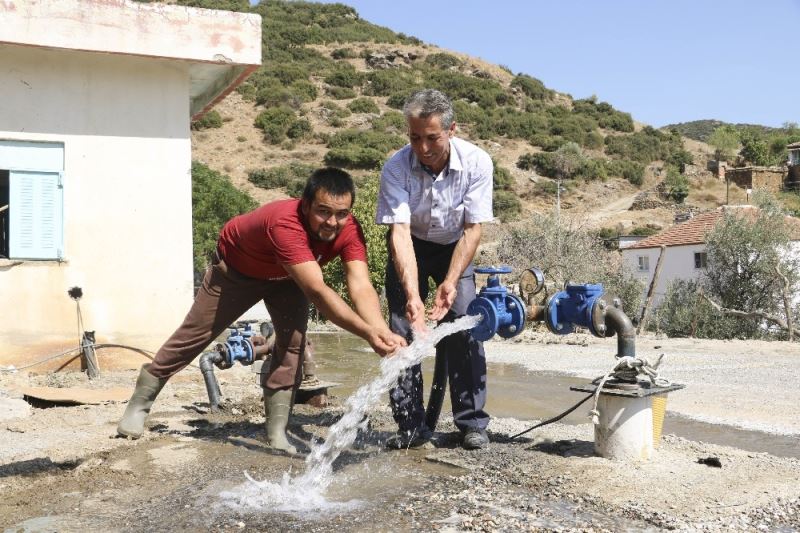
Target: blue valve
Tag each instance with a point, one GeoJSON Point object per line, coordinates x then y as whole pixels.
{"type": "Point", "coordinates": [238, 347]}
{"type": "Point", "coordinates": [500, 312]}
{"type": "Point", "coordinates": [574, 306]}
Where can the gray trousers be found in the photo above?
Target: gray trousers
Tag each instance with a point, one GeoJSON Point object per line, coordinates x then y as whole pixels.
{"type": "Point", "coordinates": [466, 360]}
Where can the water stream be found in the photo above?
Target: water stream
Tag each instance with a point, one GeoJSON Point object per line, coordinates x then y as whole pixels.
{"type": "Point", "coordinates": [304, 494]}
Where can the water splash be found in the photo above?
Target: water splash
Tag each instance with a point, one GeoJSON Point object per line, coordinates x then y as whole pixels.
{"type": "Point", "coordinates": [304, 494]}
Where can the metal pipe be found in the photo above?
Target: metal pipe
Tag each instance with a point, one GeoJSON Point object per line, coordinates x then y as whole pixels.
{"type": "Point", "coordinates": [207, 362]}
{"type": "Point", "coordinates": [618, 322]}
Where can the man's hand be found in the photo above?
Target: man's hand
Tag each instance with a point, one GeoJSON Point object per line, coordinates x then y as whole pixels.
{"type": "Point", "coordinates": [445, 296]}
{"type": "Point", "coordinates": [384, 342]}
{"type": "Point", "coordinates": [415, 312]}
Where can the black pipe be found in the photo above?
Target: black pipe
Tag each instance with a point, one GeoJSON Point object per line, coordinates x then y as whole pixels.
{"type": "Point", "coordinates": [438, 387]}
{"type": "Point", "coordinates": [207, 362]}
{"type": "Point", "coordinates": [618, 322]}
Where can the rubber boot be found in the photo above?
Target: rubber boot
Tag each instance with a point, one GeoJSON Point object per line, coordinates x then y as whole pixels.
{"type": "Point", "coordinates": [277, 408]}
{"type": "Point", "coordinates": [147, 388]}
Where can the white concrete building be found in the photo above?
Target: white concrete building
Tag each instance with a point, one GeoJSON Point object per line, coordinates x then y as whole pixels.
{"type": "Point", "coordinates": [684, 251]}
{"type": "Point", "coordinates": [96, 99]}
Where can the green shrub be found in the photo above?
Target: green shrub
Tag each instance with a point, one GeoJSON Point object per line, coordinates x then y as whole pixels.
{"type": "Point", "coordinates": [212, 119]}
{"type": "Point", "coordinates": [443, 60]}
{"type": "Point", "coordinates": [343, 53]}
{"type": "Point", "coordinates": [505, 204]}
{"type": "Point", "coordinates": [340, 93]}
{"type": "Point", "coordinates": [531, 87]}
{"type": "Point", "coordinates": [389, 81]}
{"type": "Point", "coordinates": [299, 129]}
{"type": "Point", "coordinates": [677, 185]}
{"type": "Point", "coordinates": [275, 122]}
{"type": "Point", "coordinates": [214, 201]}
{"type": "Point", "coordinates": [391, 122]}
{"type": "Point", "coordinates": [283, 176]}
{"type": "Point", "coordinates": [363, 105]}
{"type": "Point", "coordinates": [503, 180]}
{"type": "Point", "coordinates": [630, 170]}
{"type": "Point", "coordinates": [355, 157]}
{"type": "Point", "coordinates": [484, 92]}
{"type": "Point", "coordinates": [398, 99]}
{"type": "Point", "coordinates": [345, 75]}
{"type": "Point", "coordinates": [248, 91]}
{"type": "Point", "coordinates": [644, 231]}
{"type": "Point", "coordinates": [383, 142]}
{"type": "Point", "coordinates": [683, 313]}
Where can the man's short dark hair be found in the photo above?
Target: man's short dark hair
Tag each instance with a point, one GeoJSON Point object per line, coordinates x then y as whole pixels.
{"type": "Point", "coordinates": [335, 181]}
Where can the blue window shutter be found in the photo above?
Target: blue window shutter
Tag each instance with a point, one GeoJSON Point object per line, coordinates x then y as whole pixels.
{"type": "Point", "coordinates": [35, 215]}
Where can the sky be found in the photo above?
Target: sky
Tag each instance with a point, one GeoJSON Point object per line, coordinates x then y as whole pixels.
{"type": "Point", "coordinates": [663, 61]}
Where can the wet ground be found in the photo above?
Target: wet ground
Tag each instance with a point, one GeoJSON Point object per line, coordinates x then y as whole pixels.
{"type": "Point", "coordinates": [172, 479]}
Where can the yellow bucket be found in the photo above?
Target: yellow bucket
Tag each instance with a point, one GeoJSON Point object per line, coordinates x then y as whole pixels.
{"type": "Point", "coordinates": [659, 408]}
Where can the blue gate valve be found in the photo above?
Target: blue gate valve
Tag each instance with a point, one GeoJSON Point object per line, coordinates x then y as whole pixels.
{"type": "Point", "coordinates": [237, 347]}
{"type": "Point", "coordinates": [575, 306]}
{"type": "Point", "coordinates": [500, 311]}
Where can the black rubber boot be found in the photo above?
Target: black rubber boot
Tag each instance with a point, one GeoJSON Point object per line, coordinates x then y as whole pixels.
{"type": "Point", "coordinates": [147, 388]}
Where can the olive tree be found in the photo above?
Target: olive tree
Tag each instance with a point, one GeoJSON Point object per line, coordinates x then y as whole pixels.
{"type": "Point", "coordinates": [752, 273]}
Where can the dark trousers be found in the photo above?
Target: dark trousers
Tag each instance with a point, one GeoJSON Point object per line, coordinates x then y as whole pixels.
{"type": "Point", "coordinates": [466, 361]}
{"type": "Point", "coordinates": [223, 297]}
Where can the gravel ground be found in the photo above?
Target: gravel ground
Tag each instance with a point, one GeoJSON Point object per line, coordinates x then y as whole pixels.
{"type": "Point", "coordinates": [60, 470]}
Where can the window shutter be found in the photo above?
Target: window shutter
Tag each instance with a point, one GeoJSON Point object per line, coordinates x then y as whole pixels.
{"type": "Point", "coordinates": [35, 209]}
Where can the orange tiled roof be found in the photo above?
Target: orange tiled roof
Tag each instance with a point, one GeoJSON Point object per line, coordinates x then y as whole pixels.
{"type": "Point", "coordinates": [694, 231]}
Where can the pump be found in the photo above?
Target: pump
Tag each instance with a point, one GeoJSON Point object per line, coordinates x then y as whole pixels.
{"type": "Point", "coordinates": [242, 345]}
{"type": "Point", "coordinates": [625, 427]}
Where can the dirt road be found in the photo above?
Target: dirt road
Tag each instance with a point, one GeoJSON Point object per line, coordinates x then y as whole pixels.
{"type": "Point", "coordinates": [60, 470]}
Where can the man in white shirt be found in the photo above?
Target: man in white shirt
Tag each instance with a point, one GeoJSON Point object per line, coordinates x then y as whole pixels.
{"type": "Point", "coordinates": [435, 192]}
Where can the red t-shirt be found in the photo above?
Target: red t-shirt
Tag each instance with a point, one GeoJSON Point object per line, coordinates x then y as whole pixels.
{"type": "Point", "coordinates": [258, 244]}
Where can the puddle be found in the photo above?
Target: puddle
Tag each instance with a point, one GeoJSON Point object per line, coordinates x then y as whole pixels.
{"type": "Point", "coordinates": [515, 392]}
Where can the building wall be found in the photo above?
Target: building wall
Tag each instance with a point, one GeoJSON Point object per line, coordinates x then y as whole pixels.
{"type": "Point", "coordinates": [124, 123]}
{"type": "Point", "coordinates": [765, 178]}
{"type": "Point", "coordinates": [678, 264]}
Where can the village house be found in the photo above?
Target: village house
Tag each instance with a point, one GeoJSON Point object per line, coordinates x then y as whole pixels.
{"type": "Point", "coordinates": [95, 164]}
{"type": "Point", "coordinates": [684, 248]}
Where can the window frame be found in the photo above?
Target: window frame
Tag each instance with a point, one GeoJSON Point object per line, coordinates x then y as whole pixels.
{"type": "Point", "coordinates": [35, 187]}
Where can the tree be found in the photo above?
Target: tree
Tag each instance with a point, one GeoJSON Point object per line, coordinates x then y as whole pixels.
{"type": "Point", "coordinates": [567, 160]}
{"type": "Point", "coordinates": [750, 272]}
{"type": "Point", "coordinates": [677, 185]}
{"type": "Point", "coordinates": [725, 141]}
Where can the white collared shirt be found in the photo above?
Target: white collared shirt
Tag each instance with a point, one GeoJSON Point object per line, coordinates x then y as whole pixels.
{"type": "Point", "coordinates": [437, 207]}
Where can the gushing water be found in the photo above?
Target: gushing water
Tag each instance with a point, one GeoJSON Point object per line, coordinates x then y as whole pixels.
{"type": "Point", "coordinates": [304, 494]}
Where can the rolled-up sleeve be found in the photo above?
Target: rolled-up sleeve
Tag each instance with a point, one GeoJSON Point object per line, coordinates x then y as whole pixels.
{"type": "Point", "coordinates": [478, 199]}
{"type": "Point", "coordinates": [393, 205]}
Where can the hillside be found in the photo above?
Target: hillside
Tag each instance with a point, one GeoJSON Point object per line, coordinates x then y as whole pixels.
{"type": "Point", "coordinates": [330, 90]}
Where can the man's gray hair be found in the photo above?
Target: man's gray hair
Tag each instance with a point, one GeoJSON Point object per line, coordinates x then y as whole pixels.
{"type": "Point", "coordinates": [428, 102]}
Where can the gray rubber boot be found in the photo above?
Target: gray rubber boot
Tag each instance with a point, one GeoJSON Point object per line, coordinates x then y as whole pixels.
{"type": "Point", "coordinates": [277, 408]}
{"type": "Point", "coordinates": [147, 388]}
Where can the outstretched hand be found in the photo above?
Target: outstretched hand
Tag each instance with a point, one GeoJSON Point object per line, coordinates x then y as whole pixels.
{"type": "Point", "coordinates": [384, 342]}
{"type": "Point", "coordinates": [445, 296]}
{"type": "Point", "coordinates": [415, 312]}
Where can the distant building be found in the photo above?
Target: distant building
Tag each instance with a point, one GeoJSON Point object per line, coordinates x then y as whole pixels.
{"type": "Point", "coordinates": [685, 250]}
{"type": "Point", "coordinates": [754, 177]}
{"type": "Point", "coordinates": [95, 163]}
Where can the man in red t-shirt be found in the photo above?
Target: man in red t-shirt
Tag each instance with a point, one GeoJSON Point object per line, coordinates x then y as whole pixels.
{"type": "Point", "coordinates": [275, 254]}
